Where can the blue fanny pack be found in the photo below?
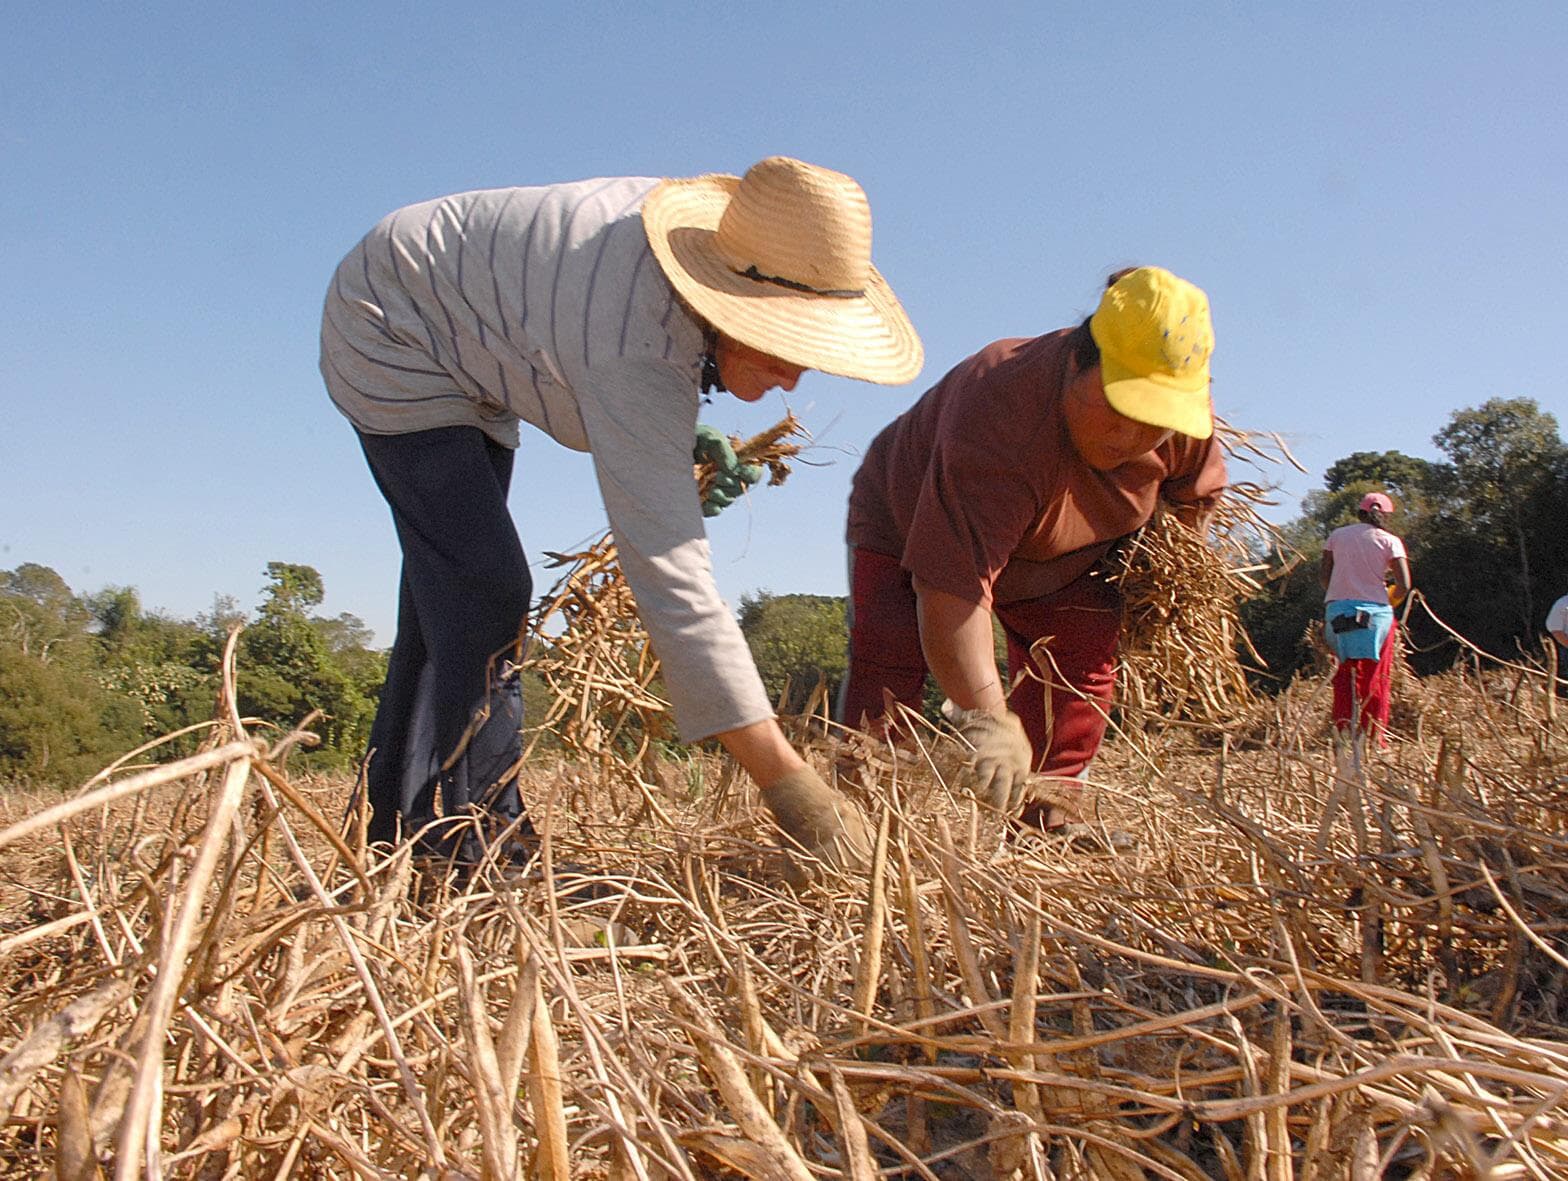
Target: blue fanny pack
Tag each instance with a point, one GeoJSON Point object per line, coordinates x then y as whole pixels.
{"type": "Point", "coordinates": [1357, 628]}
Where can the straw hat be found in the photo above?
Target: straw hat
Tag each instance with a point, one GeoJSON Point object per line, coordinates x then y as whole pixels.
{"type": "Point", "coordinates": [780, 260]}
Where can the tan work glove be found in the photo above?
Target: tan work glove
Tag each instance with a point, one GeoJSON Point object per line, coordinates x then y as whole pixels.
{"type": "Point", "coordinates": [818, 820]}
{"type": "Point", "coordinates": [1003, 757]}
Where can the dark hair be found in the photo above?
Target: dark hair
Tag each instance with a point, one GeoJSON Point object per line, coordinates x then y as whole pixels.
{"type": "Point", "coordinates": [1372, 516]}
{"type": "Point", "coordinates": [1085, 352]}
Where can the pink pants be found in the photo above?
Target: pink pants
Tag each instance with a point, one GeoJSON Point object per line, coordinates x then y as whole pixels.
{"type": "Point", "coordinates": [1065, 717]}
{"type": "Point", "coordinates": [1369, 682]}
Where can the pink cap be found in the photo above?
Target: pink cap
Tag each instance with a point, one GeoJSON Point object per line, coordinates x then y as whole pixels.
{"type": "Point", "coordinates": [1376, 500]}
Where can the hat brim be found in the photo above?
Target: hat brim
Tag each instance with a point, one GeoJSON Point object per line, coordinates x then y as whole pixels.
{"type": "Point", "coordinates": [1183, 407]}
{"type": "Point", "coordinates": [868, 337]}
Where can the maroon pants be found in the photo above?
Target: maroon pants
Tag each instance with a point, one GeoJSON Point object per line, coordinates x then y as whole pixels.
{"type": "Point", "coordinates": [1369, 682]}
{"type": "Point", "coordinates": [1072, 634]}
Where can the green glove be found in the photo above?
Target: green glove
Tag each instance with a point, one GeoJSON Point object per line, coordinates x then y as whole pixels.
{"type": "Point", "coordinates": [731, 476]}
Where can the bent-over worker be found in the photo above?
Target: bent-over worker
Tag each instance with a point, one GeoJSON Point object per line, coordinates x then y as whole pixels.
{"type": "Point", "coordinates": [592, 310]}
{"type": "Point", "coordinates": [1003, 489]}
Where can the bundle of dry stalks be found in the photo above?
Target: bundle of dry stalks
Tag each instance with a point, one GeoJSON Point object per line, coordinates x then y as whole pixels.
{"type": "Point", "coordinates": [1181, 594]}
{"type": "Point", "coordinates": [1292, 976]}
{"type": "Point", "coordinates": [591, 648]}
{"type": "Point", "coordinates": [1177, 655]}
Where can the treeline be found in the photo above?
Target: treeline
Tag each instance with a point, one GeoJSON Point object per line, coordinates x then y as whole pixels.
{"type": "Point", "coordinates": [87, 678]}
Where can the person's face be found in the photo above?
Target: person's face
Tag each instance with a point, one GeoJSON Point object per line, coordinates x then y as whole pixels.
{"type": "Point", "coordinates": [1104, 438]}
{"type": "Point", "coordinates": [748, 373]}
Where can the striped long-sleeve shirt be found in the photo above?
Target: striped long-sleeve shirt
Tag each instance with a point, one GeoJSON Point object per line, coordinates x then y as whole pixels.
{"type": "Point", "coordinates": [546, 305]}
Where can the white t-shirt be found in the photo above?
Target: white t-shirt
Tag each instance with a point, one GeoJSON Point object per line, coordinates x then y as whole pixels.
{"type": "Point", "coordinates": [1557, 617]}
{"type": "Point", "coordinates": [1362, 555]}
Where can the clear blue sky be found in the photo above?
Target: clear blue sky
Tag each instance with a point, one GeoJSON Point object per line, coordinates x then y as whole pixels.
{"type": "Point", "coordinates": [1374, 196]}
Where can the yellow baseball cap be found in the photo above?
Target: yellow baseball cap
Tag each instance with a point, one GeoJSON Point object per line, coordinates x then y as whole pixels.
{"type": "Point", "coordinates": [1155, 338]}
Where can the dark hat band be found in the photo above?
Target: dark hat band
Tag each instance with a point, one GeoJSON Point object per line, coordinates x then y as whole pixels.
{"type": "Point", "coordinates": [752, 272]}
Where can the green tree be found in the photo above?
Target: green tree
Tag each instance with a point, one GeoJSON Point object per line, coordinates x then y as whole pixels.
{"type": "Point", "coordinates": [117, 616]}
{"type": "Point", "coordinates": [224, 617]}
{"type": "Point", "coordinates": [161, 663]}
{"type": "Point", "coordinates": [349, 641]}
{"type": "Point", "coordinates": [83, 679]}
{"type": "Point", "coordinates": [1404, 477]}
{"type": "Point", "coordinates": [796, 640]}
{"type": "Point", "coordinates": [291, 589]}
{"type": "Point", "coordinates": [288, 666]}
{"type": "Point", "coordinates": [40, 616]}
{"type": "Point", "coordinates": [58, 722]}
{"type": "Point", "coordinates": [1507, 461]}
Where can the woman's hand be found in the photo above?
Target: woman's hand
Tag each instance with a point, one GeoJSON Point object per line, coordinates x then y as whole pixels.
{"type": "Point", "coordinates": [731, 477]}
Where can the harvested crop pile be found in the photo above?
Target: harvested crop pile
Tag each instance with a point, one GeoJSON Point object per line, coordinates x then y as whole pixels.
{"type": "Point", "coordinates": [1290, 975]}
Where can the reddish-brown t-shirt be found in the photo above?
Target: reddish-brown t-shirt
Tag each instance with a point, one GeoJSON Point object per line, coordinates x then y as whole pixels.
{"type": "Point", "coordinates": [979, 492]}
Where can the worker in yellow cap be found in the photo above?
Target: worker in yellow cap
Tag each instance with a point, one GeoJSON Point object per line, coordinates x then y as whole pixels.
{"type": "Point", "coordinates": [1004, 490]}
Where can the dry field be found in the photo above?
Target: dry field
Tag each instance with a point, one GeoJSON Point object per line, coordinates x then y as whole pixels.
{"type": "Point", "coordinates": [1291, 975]}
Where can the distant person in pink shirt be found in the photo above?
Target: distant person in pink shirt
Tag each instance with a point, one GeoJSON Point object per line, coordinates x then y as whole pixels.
{"type": "Point", "coordinates": [1358, 614]}
{"type": "Point", "coordinates": [1557, 621]}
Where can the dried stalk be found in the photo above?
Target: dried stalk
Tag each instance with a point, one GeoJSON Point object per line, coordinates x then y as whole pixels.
{"type": "Point", "coordinates": [259, 996]}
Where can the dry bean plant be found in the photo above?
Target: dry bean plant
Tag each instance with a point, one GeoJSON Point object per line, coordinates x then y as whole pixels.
{"type": "Point", "coordinates": [1294, 973]}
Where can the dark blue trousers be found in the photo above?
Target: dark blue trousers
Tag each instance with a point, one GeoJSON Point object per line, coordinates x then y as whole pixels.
{"type": "Point", "coordinates": [449, 722]}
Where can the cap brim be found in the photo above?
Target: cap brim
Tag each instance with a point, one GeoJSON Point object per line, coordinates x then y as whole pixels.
{"type": "Point", "coordinates": [868, 337]}
{"type": "Point", "coordinates": [1173, 406]}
